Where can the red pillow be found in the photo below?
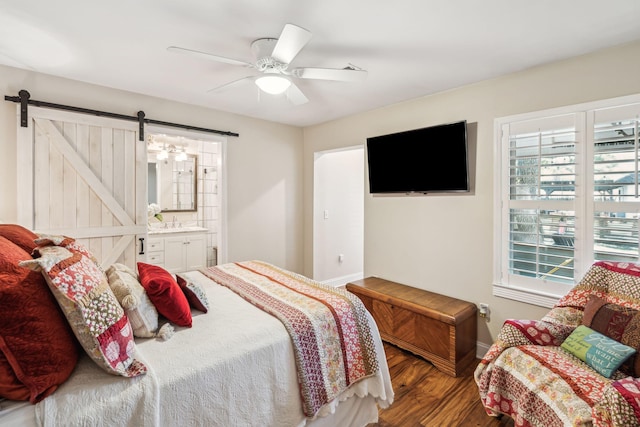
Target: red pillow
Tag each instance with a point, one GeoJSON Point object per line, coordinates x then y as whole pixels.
{"type": "Point", "coordinates": [165, 294]}
{"type": "Point", "coordinates": [618, 323]}
{"type": "Point", "coordinates": [19, 235]}
{"type": "Point", "coordinates": [38, 350]}
{"type": "Point", "coordinates": [194, 293]}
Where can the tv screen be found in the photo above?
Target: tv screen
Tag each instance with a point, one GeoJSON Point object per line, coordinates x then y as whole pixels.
{"type": "Point", "coordinates": [428, 160]}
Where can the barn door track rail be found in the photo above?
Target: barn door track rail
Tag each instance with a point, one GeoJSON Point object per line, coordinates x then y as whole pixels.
{"type": "Point", "coordinates": [24, 98]}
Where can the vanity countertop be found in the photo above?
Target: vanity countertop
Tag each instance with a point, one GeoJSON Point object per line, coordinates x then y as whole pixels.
{"type": "Point", "coordinates": [177, 229]}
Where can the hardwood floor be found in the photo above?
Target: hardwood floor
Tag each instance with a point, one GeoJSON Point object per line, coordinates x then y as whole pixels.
{"type": "Point", "coordinates": [424, 396]}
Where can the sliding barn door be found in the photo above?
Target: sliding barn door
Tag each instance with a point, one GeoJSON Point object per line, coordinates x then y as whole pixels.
{"type": "Point", "coordinates": [85, 177]}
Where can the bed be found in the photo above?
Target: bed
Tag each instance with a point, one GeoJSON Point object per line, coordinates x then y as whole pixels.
{"type": "Point", "coordinates": [236, 365]}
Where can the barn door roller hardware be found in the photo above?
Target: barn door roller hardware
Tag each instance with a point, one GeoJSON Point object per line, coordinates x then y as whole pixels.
{"type": "Point", "coordinates": [24, 98]}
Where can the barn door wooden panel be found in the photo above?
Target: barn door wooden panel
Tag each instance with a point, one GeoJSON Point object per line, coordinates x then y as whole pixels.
{"type": "Point", "coordinates": [84, 177]}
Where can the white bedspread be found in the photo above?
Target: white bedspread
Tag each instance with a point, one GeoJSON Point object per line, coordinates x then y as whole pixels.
{"type": "Point", "coordinates": [234, 367]}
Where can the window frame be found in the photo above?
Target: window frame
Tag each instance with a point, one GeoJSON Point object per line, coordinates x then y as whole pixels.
{"type": "Point", "coordinates": [583, 204]}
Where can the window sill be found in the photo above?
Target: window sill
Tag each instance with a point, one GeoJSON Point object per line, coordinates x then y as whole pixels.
{"type": "Point", "coordinates": [525, 295]}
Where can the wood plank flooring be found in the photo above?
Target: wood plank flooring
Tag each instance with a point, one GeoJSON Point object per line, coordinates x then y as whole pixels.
{"type": "Point", "coordinates": [424, 396]}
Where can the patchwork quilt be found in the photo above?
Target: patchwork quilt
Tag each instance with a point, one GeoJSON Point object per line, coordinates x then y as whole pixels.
{"type": "Point", "coordinates": [529, 377]}
{"type": "Point", "coordinates": [332, 341]}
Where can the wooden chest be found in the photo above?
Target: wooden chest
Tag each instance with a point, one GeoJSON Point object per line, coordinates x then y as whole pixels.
{"type": "Point", "coordinates": [439, 328]}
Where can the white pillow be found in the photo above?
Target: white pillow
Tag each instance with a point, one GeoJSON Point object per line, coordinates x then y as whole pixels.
{"type": "Point", "coordinates": [141, 312]}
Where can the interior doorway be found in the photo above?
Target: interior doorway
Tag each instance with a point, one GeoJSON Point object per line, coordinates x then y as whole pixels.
{"type": "Point", "coordinates": [338, 215]}
{"type": "Point", "coordinates": [203, 198]}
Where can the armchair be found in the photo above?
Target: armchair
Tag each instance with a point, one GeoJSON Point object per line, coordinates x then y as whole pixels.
{"type": "Point", "coordinates": [530, 376]}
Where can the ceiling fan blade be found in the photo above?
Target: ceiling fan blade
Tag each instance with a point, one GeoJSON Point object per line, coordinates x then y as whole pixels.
{"type": "Point", "coordinates": [295, 95]}
{"type": "Point", "coordinates": [232, 84]}
{"type": "Point", "coordinates": [208, 56]}
{"type": "Point", "coordinates": [290, 43]}
{"type": "Point", "coordinates": [337, 74]}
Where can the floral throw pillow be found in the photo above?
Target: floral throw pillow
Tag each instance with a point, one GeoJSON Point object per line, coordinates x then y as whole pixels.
{"type": "Point", "coordinates": [66, 242]}
{"type": "Point", "coordinates": [92, 310]}
{"type": "Point", "coordinates": [195, 294]}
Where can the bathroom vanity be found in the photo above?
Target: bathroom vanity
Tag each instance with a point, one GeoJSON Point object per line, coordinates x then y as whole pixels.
{"type": "Point", "coordinates": [177, 249]}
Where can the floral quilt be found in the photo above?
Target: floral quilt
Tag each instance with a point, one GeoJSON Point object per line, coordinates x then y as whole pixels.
{"type": "Point", "coordinates": [332, 341]}
{"type": "Point", "coordinates": [529, 377]}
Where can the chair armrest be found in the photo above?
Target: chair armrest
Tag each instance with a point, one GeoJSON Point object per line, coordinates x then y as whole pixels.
{"type": "Point", "coordinates": [516, 333]}
{"type": "Point", "coordinates": [553, 329]}
{"type": "Point", "coordinates": [527, 332]}
{"type": "Point", "coordinates": [619, 397]}
{"type": "Point", "coordinates": [536, 332]}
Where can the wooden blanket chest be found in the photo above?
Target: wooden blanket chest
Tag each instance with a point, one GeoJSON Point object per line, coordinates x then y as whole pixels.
{"type": "Point", "coordinates": [439, 328]}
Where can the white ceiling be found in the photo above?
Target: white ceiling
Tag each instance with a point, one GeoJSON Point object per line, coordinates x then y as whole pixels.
{"type": "Point", "coordinates": [410, 48]}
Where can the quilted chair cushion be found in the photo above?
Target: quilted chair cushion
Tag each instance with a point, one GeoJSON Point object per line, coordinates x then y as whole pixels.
{"type": "Point", "coordinates": [96, 317]}
{"type": "Point", "coordinates": [38, 350]}
{"type": "Point", "coordinates": [529, 377]}
{"type": "Point", "coordinates": [614, 282]}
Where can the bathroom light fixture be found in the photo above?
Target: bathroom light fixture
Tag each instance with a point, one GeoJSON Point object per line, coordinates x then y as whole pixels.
{"type": "Point", "coordinates": [181, 156]}
{"type": "Point", "coordinates": [275, 85]}
{"type": "Point", "coordinates": [163, 154]}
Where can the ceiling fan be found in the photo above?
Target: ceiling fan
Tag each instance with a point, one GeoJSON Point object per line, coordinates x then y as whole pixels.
{"type": "Point", "coordinates": [272, 59]}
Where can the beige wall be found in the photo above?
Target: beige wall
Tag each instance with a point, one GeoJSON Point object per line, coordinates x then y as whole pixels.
{"type": "Point", "coordinates": [264, 164]}
{"type": "Point", "coordinates": [445, 243]}
{"type": "Point", "coordinates": [441, 243]}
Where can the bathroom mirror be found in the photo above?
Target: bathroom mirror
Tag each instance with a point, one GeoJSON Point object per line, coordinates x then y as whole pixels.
{"type": "Point", "coordinates": [173, 182]}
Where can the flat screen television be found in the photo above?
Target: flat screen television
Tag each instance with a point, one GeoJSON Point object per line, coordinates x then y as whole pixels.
{"type": "Point", "coordinates": [427, 160]}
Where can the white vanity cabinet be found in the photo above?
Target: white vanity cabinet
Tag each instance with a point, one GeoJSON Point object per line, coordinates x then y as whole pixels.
{"type": "Point", "coordinates": [178, 251]}
{"type": "Point", "coordinates": [155, 251]}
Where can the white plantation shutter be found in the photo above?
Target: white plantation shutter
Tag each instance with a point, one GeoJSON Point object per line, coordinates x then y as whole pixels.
{"type": "Point", "coordinates": [569, 194]}
{"type": "Point", "coordinates": [539, 206]}
{"type": "Point", "coordinates": [615, 176]}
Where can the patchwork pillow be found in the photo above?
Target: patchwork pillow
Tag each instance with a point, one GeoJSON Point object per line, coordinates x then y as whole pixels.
{"type": "Point", "coordinates": [195, 294]}
{"type": "Point", "coordinates": [141, 313]}
{"type": "Point", "coordinates": [83, 293]}
{"type": "Point", "coordinates": [598, 351]}
{"type": "Point", "coordinates": [165, 293]}
{"type": "Point", "coordinates": [65, 242]}
{"type": "Point", "coordinates": [19, 235]}
{"type": "Point", "coordinates": [617, 322]}
{"type": "Point", "coordinates": [38, 351]}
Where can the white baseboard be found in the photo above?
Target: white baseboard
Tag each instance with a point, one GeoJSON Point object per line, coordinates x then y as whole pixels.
{"type": "Point", "coordinates": [481, 349]}
{"type": "Point", "coordinates": [341, 281]}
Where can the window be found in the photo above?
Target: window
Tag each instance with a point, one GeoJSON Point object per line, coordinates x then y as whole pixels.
{"type": "Point", "coordinates": [567, 194]}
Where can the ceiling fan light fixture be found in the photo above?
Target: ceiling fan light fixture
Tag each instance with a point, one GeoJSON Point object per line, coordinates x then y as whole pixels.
{"type": "Point", "coordinates": [274, 85]}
